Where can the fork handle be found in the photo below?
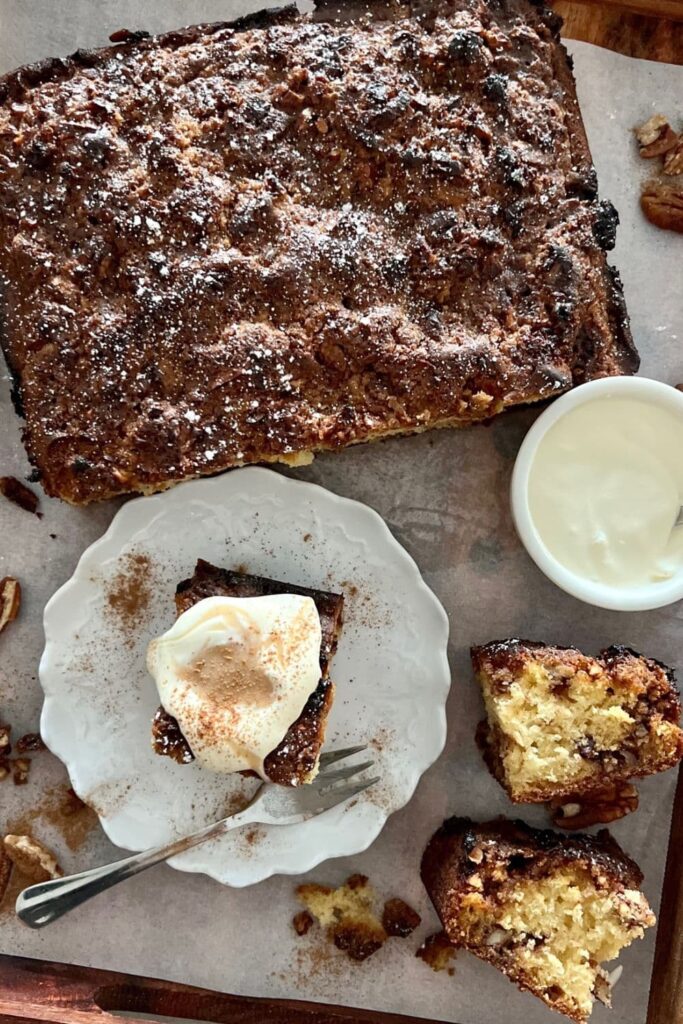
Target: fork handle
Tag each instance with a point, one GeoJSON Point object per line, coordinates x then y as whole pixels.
{"type": "Point", "coordinates": [44, 902]}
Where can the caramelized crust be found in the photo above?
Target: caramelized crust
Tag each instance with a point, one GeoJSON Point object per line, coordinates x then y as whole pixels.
{"type": "Point", "coordinates": [249, 242]}
{"type": "Point", "coordinates": [563, 724]}
{"type": "Point", "coordinates": [296, 757]}
{"type": "Point", "coordinates": [545, 909]}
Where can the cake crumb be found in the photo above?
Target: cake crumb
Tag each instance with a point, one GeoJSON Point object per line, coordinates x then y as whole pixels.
{"type": "Point", "coordinates": [399, 919]}
{"type": "Point", "coordinates": [347, 915]}
{"type": "Point", "coordinates": [437, 952]}
{"type": "Point", "coordinates": [350, 917]}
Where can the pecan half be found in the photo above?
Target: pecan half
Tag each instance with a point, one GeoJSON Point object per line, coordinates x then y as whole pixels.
{"type": "Point", "coordinates": [10, 600]}
{"type": "Point", "coordinates": [662, 204]}
{"type": "Point", "coordinates": [31, 858]}
{"type": "Point", "coordinates": [655, 137]}
{"type": "Point", "coordinates": [609, 804]}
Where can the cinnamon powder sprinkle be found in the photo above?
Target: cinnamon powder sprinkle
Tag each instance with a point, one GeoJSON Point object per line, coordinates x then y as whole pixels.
{"type": "Point", "coordinates": [61, 808]}
{"type": "Point", "coordinates": [130, 592]}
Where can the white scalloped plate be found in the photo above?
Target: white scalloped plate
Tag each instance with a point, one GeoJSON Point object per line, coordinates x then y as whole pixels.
{"type": "Point", "coordinates": [391, 670]}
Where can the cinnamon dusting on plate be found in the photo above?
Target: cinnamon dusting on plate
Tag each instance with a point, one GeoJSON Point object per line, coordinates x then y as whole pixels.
{"type": "Point", "coordinates": [129, 593]}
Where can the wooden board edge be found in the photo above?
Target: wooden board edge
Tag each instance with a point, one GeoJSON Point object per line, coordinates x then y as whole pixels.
{"type": "Point", "coordinates": [633, 34]}
{"type": "Point", "coordinates": [672, 9]}
{"type": "Point", "coordinates": [50, 993]}
{"type": "Point", "coordinates": [666, 984]}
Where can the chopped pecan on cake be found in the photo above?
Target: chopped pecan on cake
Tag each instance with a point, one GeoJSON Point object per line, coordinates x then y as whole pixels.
{"type": "Point", "coordinates": [565, 727]}
{"type": "Point", "coordinates": [295, 759]}
{"type": "Point", "coordinates": [548, 910]}
{"type": "Point", "coordinates": [248, 242]}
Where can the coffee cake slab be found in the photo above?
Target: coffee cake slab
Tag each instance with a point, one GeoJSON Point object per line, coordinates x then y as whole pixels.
{"type": "Point", "coordinates": [249, 242]}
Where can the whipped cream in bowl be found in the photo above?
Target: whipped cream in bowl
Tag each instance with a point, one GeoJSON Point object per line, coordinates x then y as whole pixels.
{"type": "Point", "coordinates": [597, 489]}
{"type": "Point", "coordinates": [236, 674]}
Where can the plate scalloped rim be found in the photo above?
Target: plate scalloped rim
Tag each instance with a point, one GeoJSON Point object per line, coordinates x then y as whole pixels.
{"type": "Point", "coordinates": [139, 514]}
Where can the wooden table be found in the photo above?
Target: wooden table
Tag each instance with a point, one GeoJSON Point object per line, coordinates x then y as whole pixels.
{"type": "Point", "coordinates": [41, 991]}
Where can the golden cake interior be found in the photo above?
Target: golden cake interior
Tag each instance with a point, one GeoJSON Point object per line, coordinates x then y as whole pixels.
{"type": "Point", "coordinates": [559, 721]}
{"type": "Point", "coordinates": [552, 934]}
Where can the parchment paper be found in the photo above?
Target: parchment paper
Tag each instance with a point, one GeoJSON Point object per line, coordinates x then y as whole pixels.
{"type": "Point", "coordinates": [445, 495]}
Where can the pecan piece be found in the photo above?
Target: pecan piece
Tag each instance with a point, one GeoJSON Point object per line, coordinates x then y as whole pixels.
{"type": "Point", "coordinates": [5, 872]}
{"type": "Point", "coordinates": [30, 743]}
{"type": "Point", "coordinates": [302, 922]}
{"type": "Point", "coordinates": [673, 161]}
{"type": "Point", "coordinates": [616, 800]}
{"type": "Point", "coordinates": [655, 137]}
{"type": "Point", "coordinates": [605, 982]}
{"type": "Point", "coordinates": [19, 494]}
{"type": "Point", "coordinates": [21, 767]}
{"type": "Point", "coordinates": [31, 858]}
{"type": "Point", "coordinates": [662, 204]}
{"type": "Point", "coordinates": [5, 740]}
{"type": "Point", "coordinates": [10, 600]}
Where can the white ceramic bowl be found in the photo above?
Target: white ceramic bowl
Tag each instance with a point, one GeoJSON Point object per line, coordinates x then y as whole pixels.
{"type": "Point", "coordinates": [626, 599]}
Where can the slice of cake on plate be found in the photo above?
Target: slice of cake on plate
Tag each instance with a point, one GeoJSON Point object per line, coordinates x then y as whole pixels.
{"type": "Point", "coordinates": [243, 675]}
{"type": "Point", "coordinates": [548, 910]}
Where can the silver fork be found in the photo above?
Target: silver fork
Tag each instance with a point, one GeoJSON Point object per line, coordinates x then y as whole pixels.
{"type": "Point", "coordinates": [271, 805]}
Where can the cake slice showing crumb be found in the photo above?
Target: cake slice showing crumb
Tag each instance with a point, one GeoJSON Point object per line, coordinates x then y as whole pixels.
{"type": "Point", "coordinates": [562, 724]}
{"type": "Point", "coordinates": [547, 910]}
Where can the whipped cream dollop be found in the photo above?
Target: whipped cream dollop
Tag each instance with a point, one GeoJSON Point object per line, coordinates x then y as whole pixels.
{"type": "Point", "coordinates": [236, 674]}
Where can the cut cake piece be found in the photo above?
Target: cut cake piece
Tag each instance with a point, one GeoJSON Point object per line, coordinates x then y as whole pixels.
{"type": "Point", "coordinates": [561, 723]}
{"type": "Point", "coordinates": [545, 909]}
{"type": "Point", "coordinates": [295, 760]}
{"type": "Point", "coordinates": [248, 242]}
